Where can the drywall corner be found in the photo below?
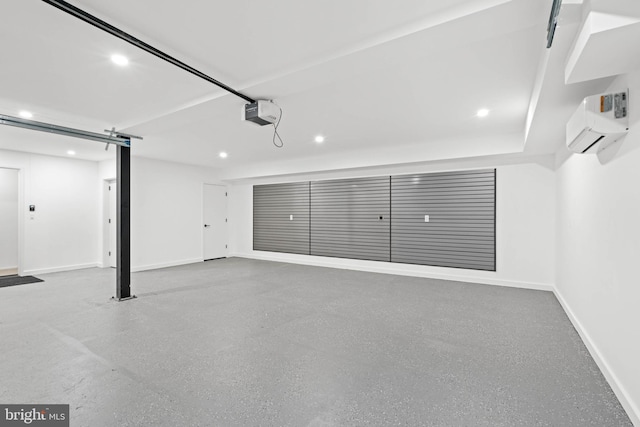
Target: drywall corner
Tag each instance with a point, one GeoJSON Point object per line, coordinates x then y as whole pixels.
{"type": "Point", "coordinates": [621, 393]}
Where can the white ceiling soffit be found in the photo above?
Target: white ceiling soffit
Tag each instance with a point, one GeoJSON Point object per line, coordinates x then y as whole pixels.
{"type": "Point", "coordinates": [606, 45]}
{"type": "Point", "coordinates": [553, 101]}
{"type": "Point", "coordinates": [370, 75]}
{"type": "Point", "coordinates": [324, 162]}
{"type": "Point", "coordinates": [592, 44]}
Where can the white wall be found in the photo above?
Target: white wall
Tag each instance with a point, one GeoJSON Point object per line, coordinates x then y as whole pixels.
{"type": "Point", "coordinates": [166, 211]}
{"type": "Point", "coordinates": [66, 230]}
{"type": "Point", "coordinates": [8, 218]}
{"type": "Point", "coordinates": [599, 249]}
{"type": "Point", "coordinates": [61, 234]}
{"type": "Point", "coordinates": [525, 230]}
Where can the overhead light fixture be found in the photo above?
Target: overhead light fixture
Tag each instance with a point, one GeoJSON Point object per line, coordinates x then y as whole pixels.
{"type": "Point", "coordinates": [120, 60]}
{"type": "Point", "coordinates": [71, 153]}
{"type": "Point", "coordinates": [25, 114]}
{"type": "Point", "coordinates": [319, 139]}
{"type": "Point", "coordinates": [223, 155]}
{"type": "Point", "coordinates": [483, 112]}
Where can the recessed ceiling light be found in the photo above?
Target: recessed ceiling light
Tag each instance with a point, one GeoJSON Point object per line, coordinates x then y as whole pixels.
{"type": "Point", "coordinates": [223, 155]}
{"type": "Point", "coordinates": [71, 153]}
{"type": "Point", "coordinates": [120, 60]}
{"type": "Point", "coordinates": [319, 139]}
{"type": "Point", "coordinates": [25, 114]}
{"type": "Point", "coordinates": [483, 112]}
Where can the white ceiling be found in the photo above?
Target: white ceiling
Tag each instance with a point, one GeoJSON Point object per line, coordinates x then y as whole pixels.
{"type": "Point", "coordinates": [381, 80]}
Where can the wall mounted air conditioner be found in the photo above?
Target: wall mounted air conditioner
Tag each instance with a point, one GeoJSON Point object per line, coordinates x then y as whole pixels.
{"type": "Point", "coordinates": [599, 121]}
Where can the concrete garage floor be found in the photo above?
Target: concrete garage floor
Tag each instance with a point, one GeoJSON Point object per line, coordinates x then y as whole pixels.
{"type": "Point", "coordinates": [240, 342]}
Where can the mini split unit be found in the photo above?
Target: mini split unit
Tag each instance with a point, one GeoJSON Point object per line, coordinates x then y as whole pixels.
{"type": "Point", "coordinates": [599, 121]}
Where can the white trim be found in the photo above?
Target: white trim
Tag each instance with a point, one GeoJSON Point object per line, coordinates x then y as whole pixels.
{"type": "Point", "coordinates": [202, 239]}
{"type": "Point", "coordinates": [621, 393]}
{"type": "Point", "coordinates": [388, 268]}
{"type": "Point", "coordinates": [59, 269]}
{"type": "Point", "coordinates": [104, 222]}
{"type": "Point", "coordinates": [22, 179]}
{"type": "Point", "coordinates": [165, 264]}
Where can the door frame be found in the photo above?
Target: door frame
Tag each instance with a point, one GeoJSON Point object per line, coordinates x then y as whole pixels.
{"type": "Point", "coordinates": [104, 262]}
{"type": "Point", "coordinates": [21, 215]}
{"type": "Point", "coordinates": [202, 243]}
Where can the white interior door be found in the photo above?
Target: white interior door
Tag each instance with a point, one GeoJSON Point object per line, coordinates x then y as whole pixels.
{"type": "Point", "coordinates": [113, 226]}
{"type": "Point", "coordinates": [215, 221]}
{"type": "Point", "coordinates": [8, 222]}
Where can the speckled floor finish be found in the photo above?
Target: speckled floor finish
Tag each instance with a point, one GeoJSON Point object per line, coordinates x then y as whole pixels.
{"type": "Point", "coordinates": [240, 342]}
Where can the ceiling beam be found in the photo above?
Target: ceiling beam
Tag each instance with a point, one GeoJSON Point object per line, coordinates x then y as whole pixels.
{"type": "Point", "coordinates": [122, 140]}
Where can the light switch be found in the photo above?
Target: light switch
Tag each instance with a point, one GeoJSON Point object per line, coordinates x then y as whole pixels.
{"type": "Point", "coordinates": [290, 217]}
{"type": "Point", "coordinates": [426, 218]}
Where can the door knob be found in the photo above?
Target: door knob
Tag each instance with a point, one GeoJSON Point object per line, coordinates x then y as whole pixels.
{"type": "Point", "coordinates": [207, 225]}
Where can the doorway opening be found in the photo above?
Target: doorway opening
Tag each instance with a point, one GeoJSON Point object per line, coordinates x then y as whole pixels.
{"type": "Point", "coordinates": [215, 221]}
{"type": "Point", "coordinates": [9, 219]}
{"type": "Point", "coordinates": [111, 225]}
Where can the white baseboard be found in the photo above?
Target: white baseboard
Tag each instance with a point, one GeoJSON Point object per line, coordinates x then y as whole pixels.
{"type": "Point", "coordinates": [59, 269]}
{"type": "Point", "coordinates": [101, 265]}
{"type": "Point", "coordinates": [621, 393]}
{"type": "Point", "coordinates": [165, 264]}
{"type": "Point", "coordinates": [390, 268]}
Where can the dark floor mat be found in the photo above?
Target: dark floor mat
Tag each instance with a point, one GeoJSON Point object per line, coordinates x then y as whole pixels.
{"type": "Point", "coordinates": [18, 280]}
